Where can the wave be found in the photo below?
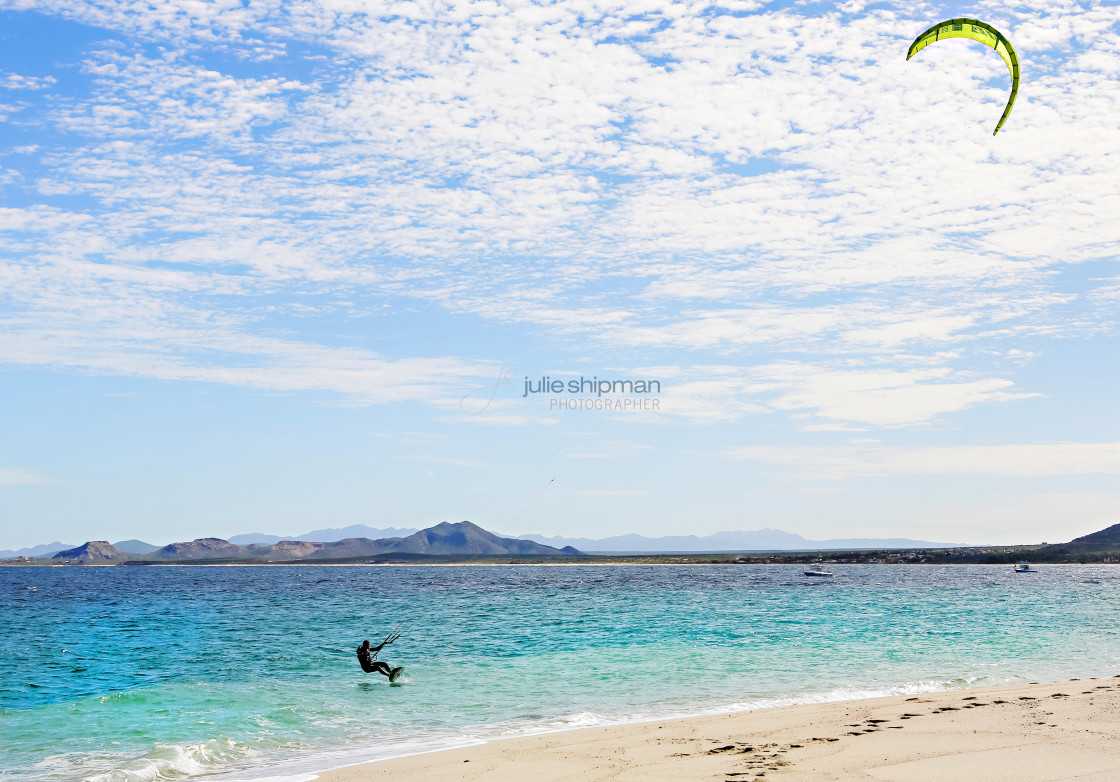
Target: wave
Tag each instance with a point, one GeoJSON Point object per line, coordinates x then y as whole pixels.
{"type": "Point", "coordinates": [163, 762]}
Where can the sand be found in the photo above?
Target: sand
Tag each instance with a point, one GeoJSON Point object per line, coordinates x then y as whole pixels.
{"type": "Point", "coordinates": [1058, 731]}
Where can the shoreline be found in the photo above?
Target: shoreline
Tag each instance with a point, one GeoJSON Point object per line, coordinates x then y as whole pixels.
{"type": "Point", "coordinates": [1041, 731]}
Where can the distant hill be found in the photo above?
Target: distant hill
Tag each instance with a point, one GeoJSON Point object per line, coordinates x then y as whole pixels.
{"type": "Point", "coordinates": [324, 535]}
{"type": "Point", "coordinates": [42, 550]}
{"type": "Point", "coordinates": [741, 540]}
{"type": "Point", "coordinates": [357, 531]}
{"type": "Point", "coordinates": [257, 539]}
{"type": "Point", "coordinates": [135, 546]}
{"type": "Point", "coordinates": [202, 548]}
{"type": "Point", "coordinates": [93, 551]}
{"type": "Point", "coordinates": [468, 538]}
{"type": "Point", "coordinates": [1106, 538]}
{"type": "Point", "coordinates": [306, 549]}
{"type": "Point", "coordinates": [1102, 546]}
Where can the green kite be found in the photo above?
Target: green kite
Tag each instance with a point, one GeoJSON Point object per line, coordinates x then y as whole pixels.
{"type": "Point", "coordinates": [977, 31]}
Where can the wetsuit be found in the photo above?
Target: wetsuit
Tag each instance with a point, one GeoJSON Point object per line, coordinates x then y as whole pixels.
{"type": "Point", "coordinates": [370, 665]}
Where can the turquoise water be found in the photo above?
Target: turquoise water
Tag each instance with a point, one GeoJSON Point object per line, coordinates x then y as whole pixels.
{"type": "Point", "coordinates": [143, 673]}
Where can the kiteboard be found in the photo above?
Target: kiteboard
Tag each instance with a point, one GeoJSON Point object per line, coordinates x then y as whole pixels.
{"type": "Point", "coordinates": [395, 673]}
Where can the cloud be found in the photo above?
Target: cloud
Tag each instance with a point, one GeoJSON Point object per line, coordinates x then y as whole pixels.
{"type": "Point", "coordinates": [15, 81]}
{"type": "Point", "coordinates": [443, 460]}
{"type": "Point", "coordinates": [876, 461]}
{"type": "Point", "coordinates": [155, 337]}
{"type": "Point", "coordinates": [607, 449]}
{"type": "Point", "coordinates": [689, 186]}
{"type": "Point", "coordinates": [609, 493]}
{"type": "Point", "coordinates": [880, 397]}
{"type": "Point", "coordinates": [14, 477]}
{"type": "Point", "coordinates": [826, 398]}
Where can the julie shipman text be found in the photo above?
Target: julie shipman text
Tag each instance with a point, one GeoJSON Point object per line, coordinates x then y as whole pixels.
{"type": "Point", "coordinates": [547, 385]}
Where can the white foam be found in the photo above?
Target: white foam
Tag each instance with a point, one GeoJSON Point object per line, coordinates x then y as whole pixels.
{"type": "Point", "coordinates": [171, 761]}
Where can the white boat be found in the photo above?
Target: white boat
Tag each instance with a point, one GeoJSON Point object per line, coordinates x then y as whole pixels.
{"type": "Point", "coordinates": [1023, 567]}
{"type": "Point", "coordinates": [818, 570]}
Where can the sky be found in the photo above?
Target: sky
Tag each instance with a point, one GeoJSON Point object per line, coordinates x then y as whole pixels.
{"type": "Point", "coordinates": [281, 266]}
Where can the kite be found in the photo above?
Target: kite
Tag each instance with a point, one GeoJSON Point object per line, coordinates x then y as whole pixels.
{"type": "Point", "coordinates": [977, 31]}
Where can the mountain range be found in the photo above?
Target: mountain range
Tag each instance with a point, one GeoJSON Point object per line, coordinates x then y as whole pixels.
{"type": "Point", "coordinates": [461, 539]}
{"type": "Point", "coordinates": [259, 538]}
{"type": "Point", "coordinates": [465, 539]}
{"type": "Point", "coordinates": [42, 550]}
{"type": "Point", "coordinates": [50, 549]}
{"type": "Point", "coordinates": [329, 535]}
{"type": "Point", "coordinates": [740, 540]}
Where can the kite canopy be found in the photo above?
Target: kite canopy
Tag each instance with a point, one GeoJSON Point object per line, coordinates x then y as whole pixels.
{"type": "Point", "coordinates": [977, 31]}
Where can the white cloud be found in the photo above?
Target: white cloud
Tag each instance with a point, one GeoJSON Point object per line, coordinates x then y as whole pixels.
{"type": "Point", "coordinates": [15, 81]}
{"type": "Point", "coordinates": [839, 398]}
{"type": "Point", "coordinates": [607, 449]}
{"type": "Point", "coordinates": [443, 460]}
{"type": "Point", "coordinates": [578, 170]}
{"type": "Point", "coordinates": [880, 397]}
{"type": "Point", "coordinates": [876, 461]}
{"type": "Point", "coordinates": [13, 477]}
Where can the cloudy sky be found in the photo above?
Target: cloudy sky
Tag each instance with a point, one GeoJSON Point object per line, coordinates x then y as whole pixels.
{"type": "Point", "coordinates": [276, 266]}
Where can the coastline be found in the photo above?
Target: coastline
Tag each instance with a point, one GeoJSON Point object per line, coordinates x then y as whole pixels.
{"type": "Point", "coordinates": [1041, 731]}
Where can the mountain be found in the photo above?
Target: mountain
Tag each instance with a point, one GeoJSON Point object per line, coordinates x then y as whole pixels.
{"type": "Point", "coordinates": [357, 531]}
{"type": "Point", "coordinates": [324, 535]}
{"type": "Point", "coordinates": [1100, 546]}
{"type": "Point", "coordinates": [461, 539]}
{"type": "Point", "coordinates": [1105, 538]}
{"type": "Point", "coordinates": [286, 549]}
{"type": "Point", "coordinates": [349, 548]}
{"type": "Point", "coordinates": [42, 550]}
{"type": "Point", "coordinates": [256, 539]}
{"type": "Point", "coordinates": [202, 548]}
{"type": "Point", "coordinates": [741, 540]}
{"type": "Point", "coordinates": [468, 538]}
{"type": "Point", "coordinates": [134, 546]}
{"type": "Point", "coordinates": [93, 551]}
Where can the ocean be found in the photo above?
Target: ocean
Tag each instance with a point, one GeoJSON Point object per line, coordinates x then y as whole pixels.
{"type": "Point", "coordinates": [124, 674]}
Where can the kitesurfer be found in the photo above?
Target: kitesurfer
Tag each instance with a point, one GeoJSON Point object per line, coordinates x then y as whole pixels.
{"type": "Point", "coordinates": [367, 657]}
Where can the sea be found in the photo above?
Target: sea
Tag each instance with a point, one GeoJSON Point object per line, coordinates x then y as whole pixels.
{"type": "Point", "coordinates": [123, 674]}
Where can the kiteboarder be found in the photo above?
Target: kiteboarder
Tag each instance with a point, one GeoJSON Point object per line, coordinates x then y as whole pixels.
{"type": "Point", "coordinates": [367, 657]}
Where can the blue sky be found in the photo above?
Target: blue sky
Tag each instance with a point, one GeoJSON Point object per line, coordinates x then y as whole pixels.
{"type": "Point", "coordinates": [255, 256]}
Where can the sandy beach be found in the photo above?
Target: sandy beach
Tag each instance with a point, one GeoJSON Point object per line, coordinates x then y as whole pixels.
{"type": "Point", "coordinates": [1052, 731]}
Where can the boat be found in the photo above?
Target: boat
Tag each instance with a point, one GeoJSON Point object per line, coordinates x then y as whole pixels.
{"type": "Point", "coordinates": [1024, 567]}
{"type": "Point", "coordinates": [817, 569]}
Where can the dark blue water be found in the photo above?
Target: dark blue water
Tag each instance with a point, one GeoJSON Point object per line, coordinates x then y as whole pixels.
{"type": "Point", "coordinates": [132, 673]}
